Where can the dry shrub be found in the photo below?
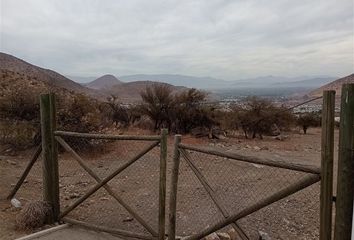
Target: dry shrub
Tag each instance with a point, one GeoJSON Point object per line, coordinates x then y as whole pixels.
{"type": "Point", "coordinates": [180, 112]}
{"type": "Point", "coordinates": [306, 120]}
{"type": "Point", "coordinates": [257, 116]}
{"type": "Point", "coordinates": [18, 134]}
{"type": "Point", "coordinates": [79, 114]}
{"type": "Point", "coordinates": [33, 215]}
{"type": "Point", "coordinates": [158, 105]}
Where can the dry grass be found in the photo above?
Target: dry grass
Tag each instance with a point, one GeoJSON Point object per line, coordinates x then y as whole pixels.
{"type": "Point", "coordinates": [33, 215]}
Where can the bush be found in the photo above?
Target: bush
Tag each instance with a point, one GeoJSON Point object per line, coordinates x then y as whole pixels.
{"type": "Point", "coordinates": [180, 113]}
{"type": "Point", "coordinates": [257, 116]}
{"type": "Point", "coordinates": [307, 120]}
{"type": "Point", "coordinates": [119, 114]}
{"type": "Point", "coordinates": [189, 111]}
{"type": "Point", "coordinates": [158, 104]}
{"type": "Point", "coordinates": [20, 106]}
{"type": "Point", "coordinates": [18, 134]}
{"type": "Point", "coordinates": [80, 114]}
{"type": "Point", "coordinates": [33, 215]}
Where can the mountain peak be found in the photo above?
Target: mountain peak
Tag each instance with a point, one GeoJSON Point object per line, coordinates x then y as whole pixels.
{"type": "Point", "coordinates": [104, 82]}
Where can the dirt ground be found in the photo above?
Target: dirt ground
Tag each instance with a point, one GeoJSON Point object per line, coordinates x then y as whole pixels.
{"type": "Point", "coordinates": [237, 185]}
{"type": "Point", "coordinates": [74, 233]}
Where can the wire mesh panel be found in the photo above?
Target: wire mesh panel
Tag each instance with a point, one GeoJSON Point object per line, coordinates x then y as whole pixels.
{"type": "Point", "coordinates": [195, 209]}
{"type": "Point", "coordinates": [295, 217]}
{"type": "Point", "coordinates": [11, 170]}
{"type": "Point", "coordinates": [226, 186]}
{"type": "Point", "coordinates": [131, 202]}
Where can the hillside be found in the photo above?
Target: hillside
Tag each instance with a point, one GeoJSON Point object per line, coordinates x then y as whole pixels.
{"type": "Point", "coordinates": [307, 83]}
{"type": "Point", "coordinates": [15, 84]}
{"type": "Point", "coordinates": [20, 77]}
{"type": "Point", "coordinates": [335, 85]}
{"type": "Point", "coordinates": [30, 75]}
{"type": "Point", "coordinates": [104, 82]}
{"type": "Point", "coordinates": [130, 92]}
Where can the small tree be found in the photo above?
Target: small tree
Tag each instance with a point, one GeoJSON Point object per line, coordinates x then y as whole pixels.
{"type": "Point", "coordinates": [307, 120]}
{"type": "Point", "coordinates": [259, 116]}
{"type": "Point", "coordinates": [157, 104]}
{"type": "Point", "coordinates": [189, 112]}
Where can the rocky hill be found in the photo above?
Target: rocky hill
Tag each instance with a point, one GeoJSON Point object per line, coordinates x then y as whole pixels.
{"type": "Point", "coordinates": [104, 82]}
{"type": "Point", "coordinates": [31, 77]}
{"type": "Point", "coordinates": [335, 85]}
{"type": "Point", "coordinates": [20, 77]}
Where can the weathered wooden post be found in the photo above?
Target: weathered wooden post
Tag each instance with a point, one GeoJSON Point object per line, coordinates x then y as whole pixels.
{"type": "Point", "coordinates": [327, 150]}
{"type": "Point", "coordinates": [345, 180]}
{"type": "Point", "coordinates": [162, 188]}
{"type": "Point", "coordinates": [50, 155]}
{"type": "Point", "coordinates": [173, 190]}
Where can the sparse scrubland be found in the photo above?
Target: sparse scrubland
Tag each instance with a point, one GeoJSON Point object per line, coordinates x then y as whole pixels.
{"type": "Point", "coordinates": [249, 124]}
{"type": "Point", "coordinates": [184, 112]}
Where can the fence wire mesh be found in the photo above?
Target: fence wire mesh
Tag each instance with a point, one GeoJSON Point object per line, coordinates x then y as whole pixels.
{"type": "Point", "coordinates": [11, 169]}
{"type": "Point", "coordinates": [238, 185]}
{"type": "Point", "coordinates": [137, 185]}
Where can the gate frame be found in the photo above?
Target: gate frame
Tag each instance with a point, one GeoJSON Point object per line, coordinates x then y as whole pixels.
{"type": "Point", "coordinates": [324, 174]}
{"type": "Point", "coordinates": [345, 178]}
{"type": "Point", "coordinates": [50, 139]}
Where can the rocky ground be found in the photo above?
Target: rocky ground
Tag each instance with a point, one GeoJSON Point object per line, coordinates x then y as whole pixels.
{"type": "Point", "coordinates": [237, 184]}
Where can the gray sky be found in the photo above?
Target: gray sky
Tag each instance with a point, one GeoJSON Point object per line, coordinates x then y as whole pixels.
{"type": "Point", "coordinates": [223, 39]}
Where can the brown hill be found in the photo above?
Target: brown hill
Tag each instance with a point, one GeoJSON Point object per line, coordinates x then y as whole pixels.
{"type": "Point", "coordinates": [15, 84]}
{"type": "Point", "coordinates": [20, 77]}
{"type": "Point", "coordinates": [104, 82]}
{"type": "Point", "coordinates": [130, 92]}
{"type": "Point", "coordinates": [27, 75]}
{"type": "Point", "coordinates": [335, 85]}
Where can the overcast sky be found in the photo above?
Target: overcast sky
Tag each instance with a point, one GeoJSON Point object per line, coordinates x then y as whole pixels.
{"type": "Point", "coordinates": [224, 39]}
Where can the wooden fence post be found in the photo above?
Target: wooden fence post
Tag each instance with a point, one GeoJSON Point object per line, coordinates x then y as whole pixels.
{"type": "Point", "coordinates": [345, 179]}
{"type": "Point", "coordinates": [327, 150]}
{"type": "Point", "coordinates": [162, 188]}
{"type": "Point", "coordinates": [173, 190]}
{"type": "Point", "coordinates": [50, 155]}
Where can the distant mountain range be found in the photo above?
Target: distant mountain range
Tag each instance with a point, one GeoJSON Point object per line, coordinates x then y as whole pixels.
{"type": "Point", "coordinates": [214, 83]}
{"type": "Point", "coordinates": [307, 83]}
{"type": "Point", "coordinates": [18, 74]}
{"type": "Point", "coordinates": [283, 82]}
